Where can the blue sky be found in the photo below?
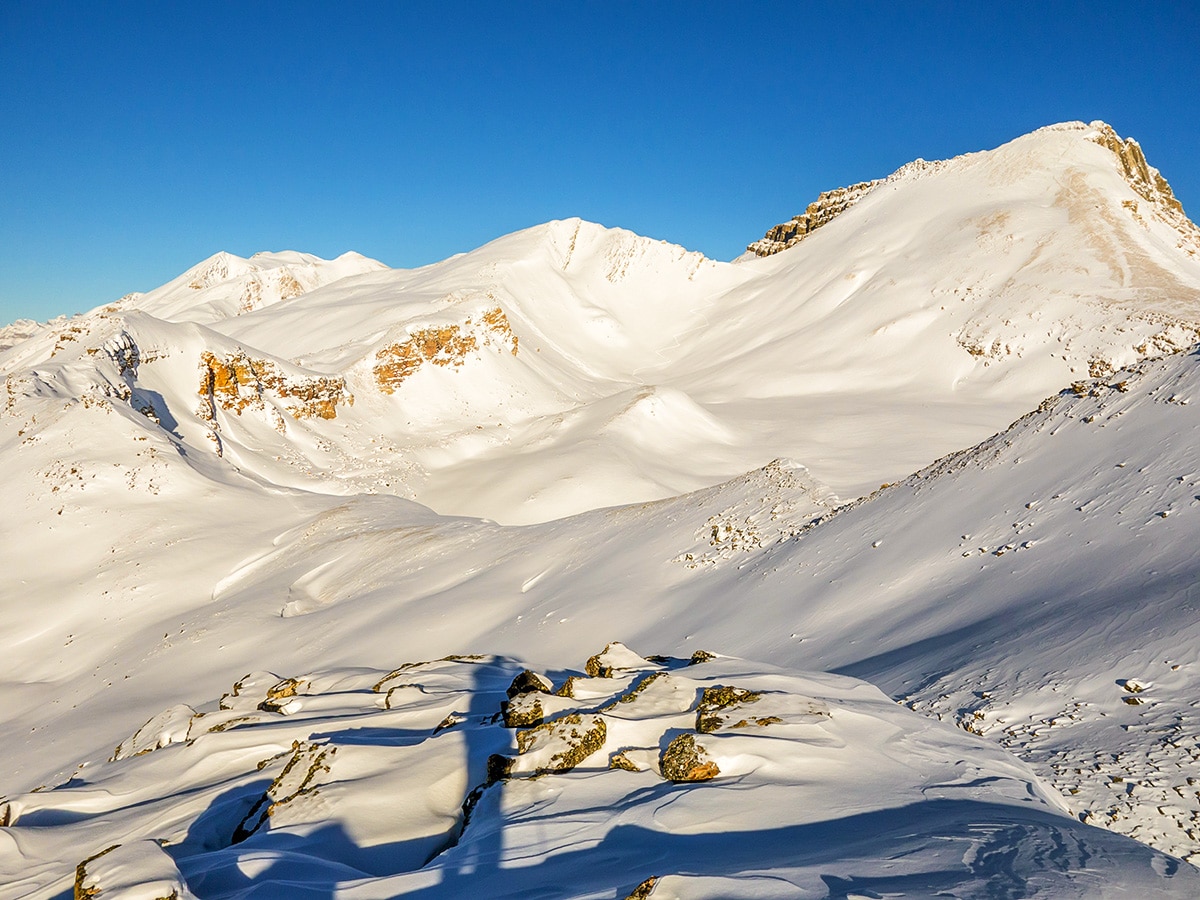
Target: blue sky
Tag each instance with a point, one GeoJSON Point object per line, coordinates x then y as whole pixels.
{"type": "Point", "coordinates": [138, 139]}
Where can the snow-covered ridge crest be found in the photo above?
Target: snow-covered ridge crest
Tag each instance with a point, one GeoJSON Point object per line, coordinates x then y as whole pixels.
{"type": "Point", "coordinates": [226, 285]}
{"type": "Point", "coordinates": [18, 331]}
{"type": "Point", "coordinates": [1143, 178]}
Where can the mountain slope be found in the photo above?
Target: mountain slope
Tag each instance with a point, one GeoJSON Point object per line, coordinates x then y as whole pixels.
{"type": "Point", "coordinates": [194, 491]}
{"type": "Point", "coordinates": [225, 285]}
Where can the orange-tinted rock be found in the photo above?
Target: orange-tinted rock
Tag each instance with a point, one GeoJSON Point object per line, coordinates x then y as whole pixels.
{"type": "Point", "coordinates": [827, 206]}
{"type": "Point", "coordinates": [1141, 177]}
{"type": "Point", "coordinates": [1149, 184]}
{"type": "Point", "coordinates": [238, 382]}
{"type": "Point", "coordinates": [447, 345]}
{"type": "Point", "coordinates": [686, 760]}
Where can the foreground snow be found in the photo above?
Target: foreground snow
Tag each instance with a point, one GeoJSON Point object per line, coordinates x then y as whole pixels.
{"type": "Point", "coordinates": [659, 778]}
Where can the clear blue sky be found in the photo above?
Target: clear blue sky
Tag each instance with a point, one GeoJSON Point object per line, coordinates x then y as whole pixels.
{"type": "Point", "coordinates": [138, 138]}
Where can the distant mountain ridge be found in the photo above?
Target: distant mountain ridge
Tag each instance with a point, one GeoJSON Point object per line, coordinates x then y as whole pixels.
{"type": "Point", "coordinates": [595, 367]}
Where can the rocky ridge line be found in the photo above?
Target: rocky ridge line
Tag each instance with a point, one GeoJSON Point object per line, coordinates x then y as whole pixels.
{"type": "Point", "coordinates": [1145, 180]}
{"type": "Point", "coordinates": [1149, 184]}
{"type": "Point", "coordinates": [827, 206]}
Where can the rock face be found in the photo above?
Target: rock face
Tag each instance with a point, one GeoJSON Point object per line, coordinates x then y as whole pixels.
{"type": "Point", "coordinates": [685, 760]}
{"type": "Point", "coordinates": [717, 698]}
{"type": "Point", "coordinates": [299, 778]}
{"type": "Point", "coordinates": [827, 206]}
{"type": "Point", "coordinates": [1148, 182]}
{"type": "Point", "coordinates": [238, 382]}
{"type": "Point", "coordinates": [560, 745]}
{"type": "Point", "coordinates": [447, 345]}
{"type": "Point", "coordinates": [1144, 179]}
{"type": "Point", "coordinates": [523, 710]}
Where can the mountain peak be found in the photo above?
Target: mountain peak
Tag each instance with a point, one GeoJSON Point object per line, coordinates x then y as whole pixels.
{"type": "Point", "coordinates": [219, 267]}
{"type": "Point", "coordinates": [1141, 176]}
{"type": "Point", "coordinates": [1041, 149]}
{"type": "Point", "coordinates": [226, 285]}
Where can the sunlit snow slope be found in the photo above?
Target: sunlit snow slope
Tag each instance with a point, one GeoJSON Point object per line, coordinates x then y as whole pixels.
{"type": "Point", "coordinates": [293, 465]}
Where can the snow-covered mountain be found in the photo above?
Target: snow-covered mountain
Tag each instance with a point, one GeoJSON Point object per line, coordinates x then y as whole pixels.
{"type": "Point", "coordinates": [292, 465]}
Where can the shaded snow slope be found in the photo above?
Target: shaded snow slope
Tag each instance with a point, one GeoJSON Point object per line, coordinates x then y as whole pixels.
{"type": "Point", "coordinates": [467, 776]}
{"type": "Point", "coordinates": [1040, 589]}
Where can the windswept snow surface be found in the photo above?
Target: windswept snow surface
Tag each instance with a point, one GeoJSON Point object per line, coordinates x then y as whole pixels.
{"type": "Point", "coordinates": [292, 465]}
{"type": "Point", "coordinates": [364, 784]}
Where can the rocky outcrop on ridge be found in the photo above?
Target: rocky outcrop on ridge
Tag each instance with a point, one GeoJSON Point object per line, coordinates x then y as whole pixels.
{"type": "Point", "coordinates": [827, 206]}
{"type": "Point", "coordinates": [447, 345]}
{"type": "Point", "coordinates": [1148, 182]}
{"type": "Point", "coordinates": [238, 381]}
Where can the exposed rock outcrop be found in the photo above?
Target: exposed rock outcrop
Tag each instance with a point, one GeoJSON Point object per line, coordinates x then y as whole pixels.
{"type": "Point", "coordinates": [237, 382]}
{"type": "Point", "coordinates": [1149, 184]}
{"type": "Point", "coordinates": [447, 345]}
{"type": "Point", "coordinates": [560, 745]}
{"type": "Point", "coordinates": [528, 681]}
{"type": "Point", "coordinates": [299, 778]}
{"type": "Point", "coordinates": [523, 711]}
{"type": "Point", "coordinates": [717, 698]}
{"type": "Point", "coordinates": [168, 727]}
{"type": "Point", "coordinates": [84, 889]}
{"type": "Point", "coordinates": [1144, 179]}
{"type": "Point", "coordinates": [644, 890]}
{"type": "Point", "coordinates": [685, 760]}
{"type": "Point", "coordinates": [139, 869]}
{"type": "Point", "coordinates": [827, 206]}
{"type": "Point", "coordinates": [615, 659]}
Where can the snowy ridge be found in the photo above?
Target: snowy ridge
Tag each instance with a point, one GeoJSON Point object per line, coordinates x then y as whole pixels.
{"type": "Point", "coordinates": [18, 331]}
{"type": "Point", "coordinates": [225, 285]}
{"type": "Point", "coordinates": [1039, 633]}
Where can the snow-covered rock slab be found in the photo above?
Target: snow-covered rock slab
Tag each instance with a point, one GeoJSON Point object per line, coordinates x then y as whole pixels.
{"type": "Point", "coordinates": [408, 784]}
